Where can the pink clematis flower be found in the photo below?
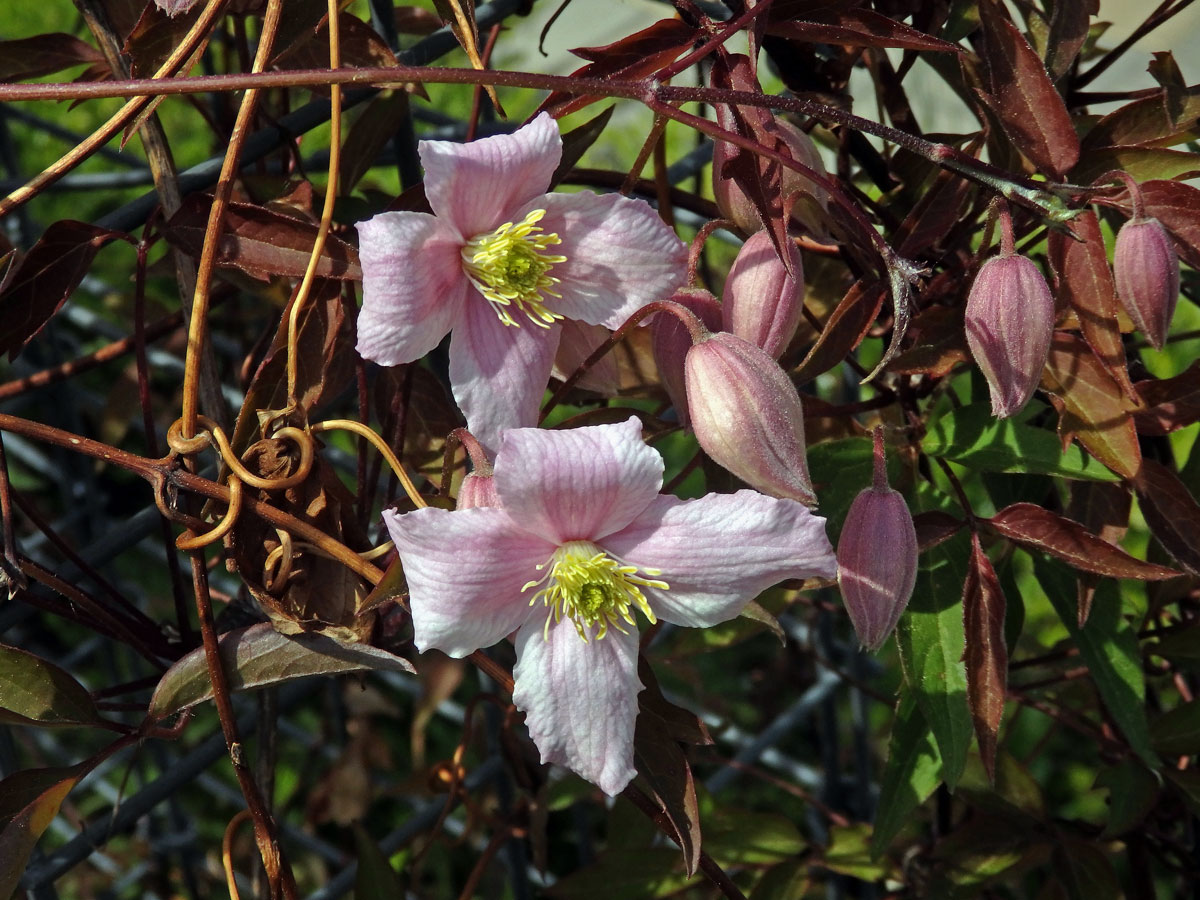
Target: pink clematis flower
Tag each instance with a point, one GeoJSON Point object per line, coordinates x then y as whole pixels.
{"type": "Point", "coordinates": [580, 540]}
{"type": "Point", "coordinates": [502, 264]}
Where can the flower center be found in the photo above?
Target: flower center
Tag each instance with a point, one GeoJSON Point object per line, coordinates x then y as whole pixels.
{"type": "Point", "coordinates": [592, 589]}
{"type": "Point", "coordinates": [510, 267]}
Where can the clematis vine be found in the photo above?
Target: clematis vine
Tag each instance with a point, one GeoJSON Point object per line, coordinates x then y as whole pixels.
{"type": "Point", "coordinates": [502, 264]}
{"type": "Point", "coordinates": [581, 541]}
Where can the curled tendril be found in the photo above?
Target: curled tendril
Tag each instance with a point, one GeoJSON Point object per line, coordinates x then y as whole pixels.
{"type": "Point", "coordinates": [199, 541]}
{"type": "Point", "coordinates": [278, 564]}
{"type": "Point", "coordinates": [212, 435]}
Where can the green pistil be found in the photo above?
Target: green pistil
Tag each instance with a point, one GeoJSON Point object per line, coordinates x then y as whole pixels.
{"type": "Point", "coordinates": [510, 267]}
{"type": "Point", "coordinates": [593, 590]}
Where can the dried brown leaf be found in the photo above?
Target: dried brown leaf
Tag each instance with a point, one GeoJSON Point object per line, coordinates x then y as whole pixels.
{"type": "Point", "coordinates": [260, 242]}
{"type": "Point", "coordinates": [1080, 265]}
{"type": "Point", "coordinates": [1095, 410]}
{"type": "Point", "coordinates": [45, 278]}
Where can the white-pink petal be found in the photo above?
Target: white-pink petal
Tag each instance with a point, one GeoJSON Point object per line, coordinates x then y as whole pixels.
{"type": "Point", "coordinates": [719, 552]}
{"type": "Point", "coordinates": [465, 571]}
{"type": "Point", "coordinates": [499, 372]}
{"type": "Point", "coordinates": [414, 288]}
{"type": "Point", "coordinates": [480, 185]}
{"type": "Point", "coordinates": [580, 700]}
{"type": "Point", "coordinates": [620, 256]}
{"type": "Point", "coordinates": [579, 484]}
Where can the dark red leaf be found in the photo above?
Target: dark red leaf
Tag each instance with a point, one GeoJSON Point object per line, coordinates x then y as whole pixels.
{"type": "Point", "coordinates": [1086, 282]}
{"type": "Point", "coordinates": [1147, 122]}
{"type": "Point", "coordinates": [935, 527]}
{"type": "Point", "coordinates": [1094, 408]}
{"type": "Point", "coordinates": [934, 217]}
{"type": "Point", "coordinates": [21, 834]}
{"type": "Point", "coordinates": [260, 242]}
{"type": "Point", "coordinates": [1177, 206]}
{"type": "Point", "coordinates": [1103, 509]}
{"type": "Point", "coordinates": [45, 278]}
{"type": "Point", "coordinates": [369, 135]}
{"type": "Point", "coordinates": [1069, 23]}
{"type": "Point", "coordinates": [1171, 512]}
{"type": "Point", "coordinates": [1170, 403]}
{"type": "Point", "coordinates": [155, 36]}
{"type": "Point", "coordinates": [577, 141]}
{"type": "Point", "coordinates": [44, 54]}
{"type": "Point", "coordinates": [1036, 528]}
{"type": "Point", "coordinates": [986, 654]}
{"type": "Point", "coordinates": [939, 344]}
{"type": "Point", "coordinates": [859, 28]}
{"type": "Point", "coordinates": [661, 762]}
{"type": "Point", "coordinates": [847, 326]}
{"type": "Point", "coordinates": [636, 56]}
{"type": "Point", "coordinates": [1022, 95]}
{"type": "Point", "coordinates": [361, 47]}
{"type": "Point", "coordinates": [758, 177]}
{"type": "Point", "coordinates": [1141, 163]}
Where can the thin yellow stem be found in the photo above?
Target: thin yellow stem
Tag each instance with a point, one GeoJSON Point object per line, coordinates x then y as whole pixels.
{"type": "Point", "coordinates": [208, 258]}
{"type": "Point", "coordinates": [363, 431]}
{"type": "Point", "coordinates": [331, 186]}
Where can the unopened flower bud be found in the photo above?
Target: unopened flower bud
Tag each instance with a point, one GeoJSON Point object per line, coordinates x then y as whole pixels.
{"type": "Point", "coordinates": [477, 490]}
{"type": "Point", "coordinates": [1010, 321]}
{"type": "Point", "coordinates": [812, 200]}
{"type": "Point", "coordinates": [761, 302]}
{"type": "Point", "coordinates": [747, 416]}
{"type": "Point", "coordinates": [1146, 270]}
{"type": "Point", "coordinates": [671, 342]}
{"type": "Point", "coordinates": [877, 557]}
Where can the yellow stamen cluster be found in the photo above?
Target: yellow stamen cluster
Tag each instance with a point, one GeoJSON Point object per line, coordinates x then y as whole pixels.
{"type": "Point", "coordinates": [510, 267]}
{"type": "Point", "coordinates": [593, 590]}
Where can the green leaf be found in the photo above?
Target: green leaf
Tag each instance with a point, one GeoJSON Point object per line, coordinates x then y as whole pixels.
{"type": "Point", "coordinates": [848, 855]}
{"type": "Point", "coordinates": [973, 437]}
{"type": "Point", "coordinates": [1133, 792]}
{"type": "Point", "coordinates": [931, 642]}
{"type": "Point", "coordinates": [21, 834]}
{"type": "Point", "coordinates": [1110, 648]}
{"type": "Point", "coordinates": [258, 656]}
{"type": "Point", "coordinates": [631, 874]}
{"type": "Point", "coordinates": [912, 773]}
{"type": "Point", "coordinates": [841, 469]}
{"type": "Point", "coordinates": [1177, 733]}
{"type": "Point", "coordinates": [36, 692]}
{"type": "Point", "coordinates": [375, 879]}
{"type": "Point", "coordinates": [786, 881]}
{"type": "Point", "coordinates": [739, 837]}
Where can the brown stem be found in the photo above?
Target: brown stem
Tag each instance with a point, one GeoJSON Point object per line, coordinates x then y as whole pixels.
{"type": "Point", "coordinates": [212, 233]}
{"type": "Point", "coordinates": [1038, 195]}
{"type": "Point", "coordinates": [107, 353]}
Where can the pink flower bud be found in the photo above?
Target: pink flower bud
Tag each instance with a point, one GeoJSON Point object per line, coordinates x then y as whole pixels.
{"type": "Point", "coordinates": [762, 302]}
{"type": "Point", "coordinates": [477, 490]}
{"type": "Point", "coordinates": [671, 342]}
{"type": "Point", "coordinates": [813, 200]}
{"type": "Point", "coordinates": [877, 557]}
{"type": "Point", "coordinates": [1147, 274]}
{"type": "Point", "coordinates": [1010, 321]}
{"type": "Point", "coordinates": [747, 416]}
